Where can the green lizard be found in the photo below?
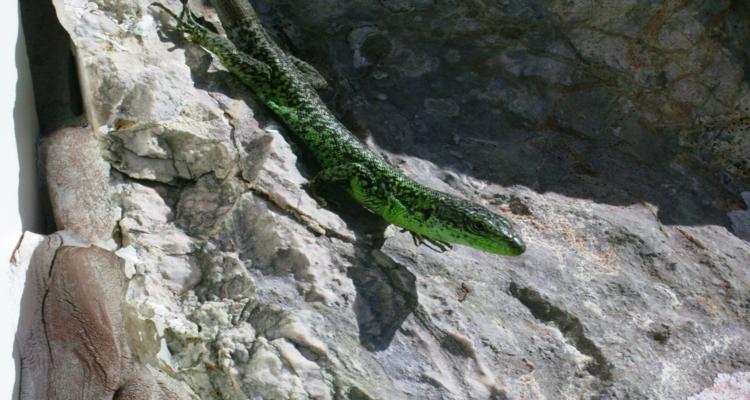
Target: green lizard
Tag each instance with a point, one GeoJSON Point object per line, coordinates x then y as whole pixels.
{"type": "Point", "coordinates": [287, 86]}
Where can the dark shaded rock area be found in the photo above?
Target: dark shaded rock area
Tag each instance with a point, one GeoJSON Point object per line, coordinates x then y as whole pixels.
{"type": "Point", "coordinates": [586, 100]}
{"type": "Point", "coordinates": [53, 66]}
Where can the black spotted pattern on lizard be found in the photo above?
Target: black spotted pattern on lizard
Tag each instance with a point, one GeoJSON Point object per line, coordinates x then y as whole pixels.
{"type": "Point", "coordinates": [287, 86]}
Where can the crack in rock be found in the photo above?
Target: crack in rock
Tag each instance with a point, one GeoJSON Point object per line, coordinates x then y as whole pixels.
{"type": "Point", "coordinates": [568, 324]}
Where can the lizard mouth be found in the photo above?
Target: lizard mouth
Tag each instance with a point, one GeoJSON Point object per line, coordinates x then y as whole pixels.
{"type": "Point", "coordinates": [505, 246]}
{"type": "Point", "coordinates": [517, 246]}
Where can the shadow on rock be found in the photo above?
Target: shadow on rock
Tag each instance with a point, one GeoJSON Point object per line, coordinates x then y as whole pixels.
{"type": "Point", "coordinates": [386, 290]}
{"type": "Point", "coordinates": [526, 94]}
{"type": "Point", "coordinates": [386, 295]}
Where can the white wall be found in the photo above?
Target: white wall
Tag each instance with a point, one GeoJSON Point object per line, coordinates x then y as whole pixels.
{"type": "Point", "coordinates": [18, 134]}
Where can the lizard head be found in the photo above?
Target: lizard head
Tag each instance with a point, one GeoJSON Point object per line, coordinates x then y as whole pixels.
{"type": "Point", "coordinates": [470, 224]}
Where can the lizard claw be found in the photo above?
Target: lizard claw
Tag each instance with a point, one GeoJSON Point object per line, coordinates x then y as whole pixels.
{"type": "Point", "coordinates": [440, 245]}
{"type": "Point", "coordinates": [187, 21]}
{"type": "Point", "coordinates": [167, 10]}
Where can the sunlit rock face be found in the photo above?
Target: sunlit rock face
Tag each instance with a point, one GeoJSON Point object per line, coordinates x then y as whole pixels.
{"type": "Point", "coordinates": [611, 135]}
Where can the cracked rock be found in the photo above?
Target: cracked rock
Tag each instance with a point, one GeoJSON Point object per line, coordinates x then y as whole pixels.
{"type": "Point", "coordinates": [190, 263]}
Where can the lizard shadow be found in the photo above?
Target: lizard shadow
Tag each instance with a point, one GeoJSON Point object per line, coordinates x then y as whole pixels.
{"type": "Point", "coordinates": [386, 290]}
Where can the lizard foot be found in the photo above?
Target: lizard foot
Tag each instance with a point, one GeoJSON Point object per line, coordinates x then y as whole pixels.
{"type": "Point", "coordinates": [187, 21]}
{"type": "Point", "coordinates": [440, 245]}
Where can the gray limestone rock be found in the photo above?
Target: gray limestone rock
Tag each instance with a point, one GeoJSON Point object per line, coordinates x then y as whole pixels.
{"type": "Point", "coordinates": [611, 133]}
{"type": "Point", "coordinates": [78, 179]}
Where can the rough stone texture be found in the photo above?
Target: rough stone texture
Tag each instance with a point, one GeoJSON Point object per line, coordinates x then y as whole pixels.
{"type": "Point", "coordinates": [35, 254]}
{"type": "Point", "coordinates": [583, 122]}
{"type": "Point", "coordinates": [78, 179]}
{"type": "Point", "coordinates": [72, 343]}
{"type": "Point", "coordinates": [734, 386]}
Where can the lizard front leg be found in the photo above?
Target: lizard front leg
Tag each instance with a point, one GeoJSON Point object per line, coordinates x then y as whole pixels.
{"type": "Point", "coordinates": [441, 246]}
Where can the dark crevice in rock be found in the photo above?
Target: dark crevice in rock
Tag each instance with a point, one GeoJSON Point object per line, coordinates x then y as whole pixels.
{"type": "Point", "coordinates": [569, 325]}
{"type": "Point", "coordinates": [53, 84]}
{"type": "Point", "coordinates": [43, 306]}
{"type": "Point", "coordinates": [356, 393]}
{"type": "Point", "coordinates": [53, 66]}
{"type": "Point", "coordinates": [660, 333]}
{"type": "Point", "coordinates": [118, 394]}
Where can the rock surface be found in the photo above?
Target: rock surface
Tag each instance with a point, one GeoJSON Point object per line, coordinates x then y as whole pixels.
{"type": "Point", "coordinates": [603, 131]}
{"type": "Point", "coordinates": [76, 345]}
{"type": "Point", "coordinates": [734, 386]}
{"type": "Point", "coordinates": [78, 179]}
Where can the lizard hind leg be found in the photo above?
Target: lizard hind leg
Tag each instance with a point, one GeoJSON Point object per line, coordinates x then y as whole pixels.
{"type": "Point", "coordinates": [339, 174]}
{"type": "Point", "coordinates": [196, 20]}
{"type": "Point", "coordinates": [247, 68]}
{"type": "Point", "coordinates": [187, 21]}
